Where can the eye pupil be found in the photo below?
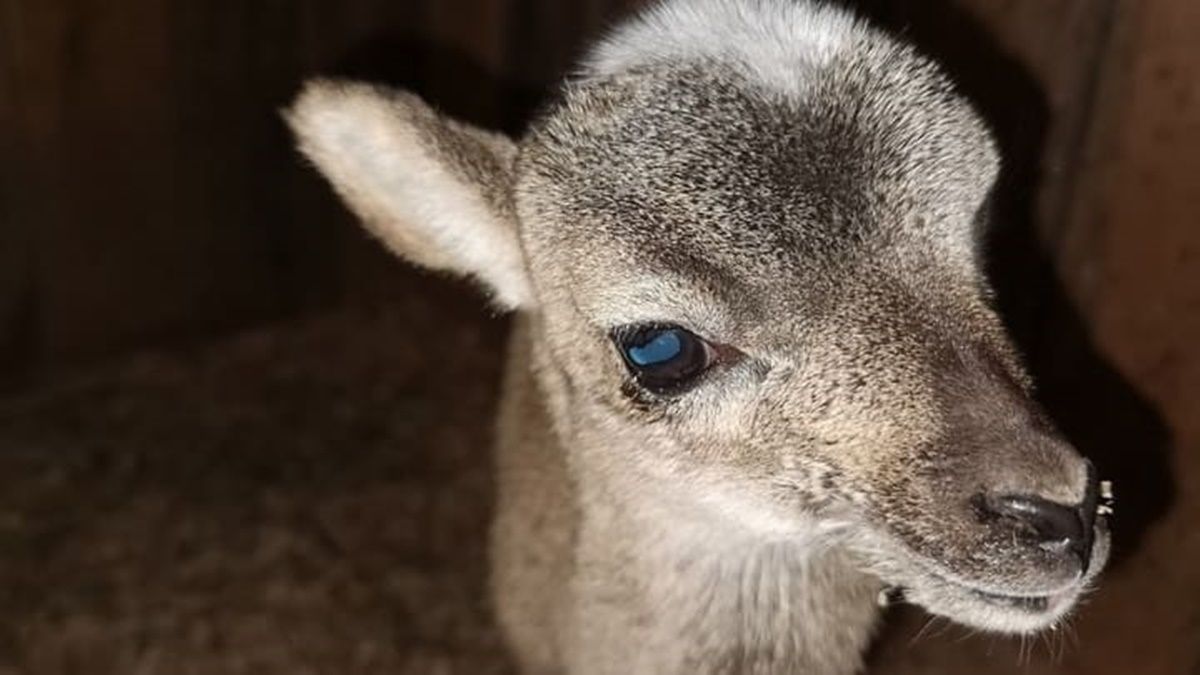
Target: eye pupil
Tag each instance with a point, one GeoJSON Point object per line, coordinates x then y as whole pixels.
{"type": "Point", "coordinates": [661, 348]}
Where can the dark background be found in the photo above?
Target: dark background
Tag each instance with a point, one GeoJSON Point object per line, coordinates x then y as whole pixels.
{"type": "Point", "coordinates": [236, 437]}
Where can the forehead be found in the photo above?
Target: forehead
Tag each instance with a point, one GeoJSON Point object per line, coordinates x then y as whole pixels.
{"type": "Point", "coordinates": [695, 171]}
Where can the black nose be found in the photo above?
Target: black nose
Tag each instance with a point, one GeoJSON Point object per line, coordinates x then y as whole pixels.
{"type": "Point", "coordinates": [1053, 526]}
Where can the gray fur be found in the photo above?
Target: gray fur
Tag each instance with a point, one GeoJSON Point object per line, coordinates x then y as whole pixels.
{"type": "Point", "coordinates": [823, 235]}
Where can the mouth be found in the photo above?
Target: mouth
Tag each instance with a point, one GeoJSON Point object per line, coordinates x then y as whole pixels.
{"type": "Point", "coordinates": [995, 609]}
{"type": "Point", "coordinates": [1017, 613]}
{"type": "Point", "coordinates": [1033, 604]}
{"type": "Point", "coordinates": [1026, 603]}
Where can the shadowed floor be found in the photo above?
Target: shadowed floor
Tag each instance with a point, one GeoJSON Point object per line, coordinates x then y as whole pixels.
{"type": "Point", "coordinates": [306, 499]}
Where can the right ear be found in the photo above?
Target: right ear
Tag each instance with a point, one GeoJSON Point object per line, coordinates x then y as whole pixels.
{"type": "Point", "coordinates": [435, 191]}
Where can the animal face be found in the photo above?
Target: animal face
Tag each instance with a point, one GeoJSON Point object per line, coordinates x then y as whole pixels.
{"type": "Point", "coordinates": [808, 281]}
{"type": "Point", "coordinates": [765, 300]}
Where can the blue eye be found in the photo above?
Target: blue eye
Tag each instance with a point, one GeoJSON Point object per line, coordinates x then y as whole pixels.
{"type": "Point", "coordinates": [663, 358]}
{"type": "Point", "coordinates": [662, 347]}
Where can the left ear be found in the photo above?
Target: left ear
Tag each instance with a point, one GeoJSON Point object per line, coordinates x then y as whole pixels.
{"type": "Point", "coordinates": [437, 192]}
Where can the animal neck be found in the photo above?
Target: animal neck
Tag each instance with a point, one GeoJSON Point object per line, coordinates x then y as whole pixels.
{"type": "Point", "coordinates": [734, 600]}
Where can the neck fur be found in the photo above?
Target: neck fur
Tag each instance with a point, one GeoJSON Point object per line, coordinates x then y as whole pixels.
{"type": "Point", "coordinates": [750, 602]}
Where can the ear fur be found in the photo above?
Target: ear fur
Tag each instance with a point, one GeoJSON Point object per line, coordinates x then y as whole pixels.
{"type": "Point", "coordinates": [435, 191]}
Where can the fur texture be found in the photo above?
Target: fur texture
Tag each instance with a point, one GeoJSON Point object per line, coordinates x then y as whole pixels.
{"type": "Point", "coordinates": [803, 193]}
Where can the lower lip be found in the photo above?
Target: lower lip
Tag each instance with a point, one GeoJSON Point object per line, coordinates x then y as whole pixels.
{"type": "Point", "coordinates": [1033, 604]}
{"type": "Point", "coordinates": [1028, 603]}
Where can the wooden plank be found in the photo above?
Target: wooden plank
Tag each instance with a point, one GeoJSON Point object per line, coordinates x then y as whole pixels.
{"type": "Point", "coordinates": [17, 343]}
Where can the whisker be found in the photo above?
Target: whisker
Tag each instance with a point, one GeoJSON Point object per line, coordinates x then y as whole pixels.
{"type": "Point", "coordinates": [921, 633]}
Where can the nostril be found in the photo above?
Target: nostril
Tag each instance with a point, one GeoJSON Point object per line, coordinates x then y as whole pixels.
{"type": "Point", "coordinates": [1053, 526]}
